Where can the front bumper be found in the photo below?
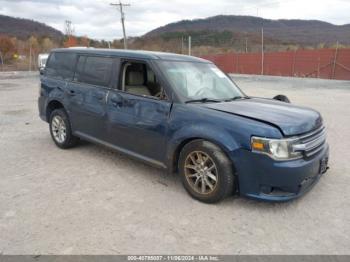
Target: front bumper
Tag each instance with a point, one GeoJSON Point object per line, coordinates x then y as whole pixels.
{"type": "Point", "coordinates": [263, 178]}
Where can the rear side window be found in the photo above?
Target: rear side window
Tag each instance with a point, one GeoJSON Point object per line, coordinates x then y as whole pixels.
{"type": "Point", "coordinates": [61, 65]}
{"type": "Point", "coordinates": [94, 70]}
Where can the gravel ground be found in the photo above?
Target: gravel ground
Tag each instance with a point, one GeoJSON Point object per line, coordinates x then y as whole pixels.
{"type": "Point", "coordinates": [89, 200]}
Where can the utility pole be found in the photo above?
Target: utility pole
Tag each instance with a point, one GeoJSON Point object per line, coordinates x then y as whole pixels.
{"type": "Point", "coordinates": [122, 17]}
{"type": "Point", "coordinates": [262, 50]}
{"type": "Point", "coordinates": [182, 45]}
{"type": "Point", "coordinates": [189, 45]}
{"type": "Point", "coordinates": [30, 58]}
{"type": "Point", "coordinates": [68, 28]}
{"type": "Point", "coordinates": [2, 61]}
{"type": "Point", "coordinates": [335, 60]}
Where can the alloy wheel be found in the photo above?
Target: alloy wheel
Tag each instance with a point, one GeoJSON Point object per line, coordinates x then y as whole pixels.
{"type": "Point", "coordinates": [59, 129]}
{"type": "Point", "coordinates": [201, 172]}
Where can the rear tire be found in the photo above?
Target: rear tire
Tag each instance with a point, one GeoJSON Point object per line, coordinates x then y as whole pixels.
{"type": "Point", "coordinates": [206, 172]}
{"type": "Point", "coordinates": [60, 129]}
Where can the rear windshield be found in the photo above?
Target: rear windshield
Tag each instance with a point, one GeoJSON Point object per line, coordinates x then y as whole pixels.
{"type": "Point", "coordinates": [61, 65]}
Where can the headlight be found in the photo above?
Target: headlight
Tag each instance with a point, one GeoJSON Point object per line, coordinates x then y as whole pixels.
{"type": "Point", "coordinates": [279, 149]}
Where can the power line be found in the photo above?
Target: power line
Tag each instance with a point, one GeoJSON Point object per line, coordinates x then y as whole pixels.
{"type": "Point", "coordinates": [120, 5]}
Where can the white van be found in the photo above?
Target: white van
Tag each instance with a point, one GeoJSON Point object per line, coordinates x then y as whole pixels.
{"type": "Point", "coordinates": [42, 58]}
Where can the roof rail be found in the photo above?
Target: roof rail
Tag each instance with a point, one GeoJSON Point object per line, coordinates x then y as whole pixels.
{"type": "Point", "coordinates": [79, 47]}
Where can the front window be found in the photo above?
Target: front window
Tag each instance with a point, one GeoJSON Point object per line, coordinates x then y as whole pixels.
{"type": "Point", "coordinates": [139, 79]}
{"type": "Point", "coordinates": [196, 81]}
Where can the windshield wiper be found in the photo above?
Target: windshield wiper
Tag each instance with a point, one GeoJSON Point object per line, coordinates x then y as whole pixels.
{"type": "Point", "coordinates": [203, 100]}
{"type": "Point", "coordinates": [236, 98]}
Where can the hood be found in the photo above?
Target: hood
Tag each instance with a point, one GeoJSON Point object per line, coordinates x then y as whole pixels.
{"type": "Point", "coordinates": [290, 119]}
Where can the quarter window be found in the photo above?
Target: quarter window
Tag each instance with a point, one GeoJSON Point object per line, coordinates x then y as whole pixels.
{"type": "Point", "coordinates": [61, 65]}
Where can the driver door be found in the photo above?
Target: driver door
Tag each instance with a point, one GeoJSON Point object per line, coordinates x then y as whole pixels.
{"type": "Point", "coordinates": [138, 113]}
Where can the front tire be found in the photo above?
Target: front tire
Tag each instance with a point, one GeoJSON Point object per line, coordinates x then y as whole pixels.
{"type": "Point", "coordinates": [60, 129]}
{"type": "Point", "coordinates": [206, 172]}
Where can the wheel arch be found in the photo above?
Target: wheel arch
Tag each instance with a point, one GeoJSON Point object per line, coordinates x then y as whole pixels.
{"type": "Point", "coordinates": [51, 106]}
{"type": "Point", "coordinates": [177, 148]}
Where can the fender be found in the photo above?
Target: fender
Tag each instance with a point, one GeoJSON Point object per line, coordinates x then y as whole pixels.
{"type": "Point", "coordinates": [56, 94]}
{"type": "Point", "coordinates": [218, 136]}
{"type": "Point", "coordinates": [228, 132]}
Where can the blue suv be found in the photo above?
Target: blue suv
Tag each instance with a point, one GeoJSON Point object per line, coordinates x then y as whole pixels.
{"type": "Point", "coordinates": [183, 114]}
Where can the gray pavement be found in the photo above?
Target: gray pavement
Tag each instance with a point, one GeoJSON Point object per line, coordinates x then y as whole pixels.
{"type": "Point", "coordinates": [90, 200]}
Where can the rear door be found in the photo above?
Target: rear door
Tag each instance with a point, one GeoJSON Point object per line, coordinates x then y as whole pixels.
{"type": "Point", "coordinates": [138, 116]}
{"type": "Point", "coordinates": [88, 93]}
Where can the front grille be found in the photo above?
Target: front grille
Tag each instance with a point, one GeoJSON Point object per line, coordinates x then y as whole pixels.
{"type": "Point", "coordinates": [311, 143]}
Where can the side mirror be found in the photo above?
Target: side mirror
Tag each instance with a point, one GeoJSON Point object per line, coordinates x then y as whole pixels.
{"type": "Point", "coordinates": [282, 98]}
{"type": "Point", "coordinates": [42, 70]}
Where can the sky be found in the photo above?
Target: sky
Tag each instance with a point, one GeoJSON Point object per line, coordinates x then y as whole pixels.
{"type": "Point", "coordinates": [97, 19]}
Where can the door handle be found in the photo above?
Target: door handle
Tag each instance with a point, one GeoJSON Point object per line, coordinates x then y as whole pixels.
{"type": "Point", "coordinates": [162, 111]}
{"type": "Point", "coordinates": [116, 102]}
{"type": "Point", "coordinates": [99, 96]}
{"type": "Point", "coordinates": [71, 92]}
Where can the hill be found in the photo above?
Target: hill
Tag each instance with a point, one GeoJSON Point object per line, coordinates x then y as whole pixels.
{"type": "Point", "coordinates": [24, 28]}
{"type": "Point", "coordinates": [304, 32]}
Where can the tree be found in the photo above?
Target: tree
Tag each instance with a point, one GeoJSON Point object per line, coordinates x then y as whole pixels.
{"type": "Point", "coordinates": [84, 41]}
{"type": "Point", "coordinates": [33, 50]}
{"type": "Point", "coordinates": [7, 48]}
{"type": "Point", "coordinates": [321, 46]}
{"type": "Point", "coordinates": [47, 44]}
{"type": "Point", "coordinates": [70, 41]}
{"type": "Point", "coordinates": [33, 43]}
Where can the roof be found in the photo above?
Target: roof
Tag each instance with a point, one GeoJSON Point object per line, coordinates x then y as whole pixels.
{"type": "Point", "coordinates": [137, 54]}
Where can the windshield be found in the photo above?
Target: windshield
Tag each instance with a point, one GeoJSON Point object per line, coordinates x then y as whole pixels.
{"type": "Point", "coordinates": [196, 81]}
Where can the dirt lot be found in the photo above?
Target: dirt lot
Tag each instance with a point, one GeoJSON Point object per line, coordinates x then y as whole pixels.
{"type": "Point", "coordinates": [90, 200]}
